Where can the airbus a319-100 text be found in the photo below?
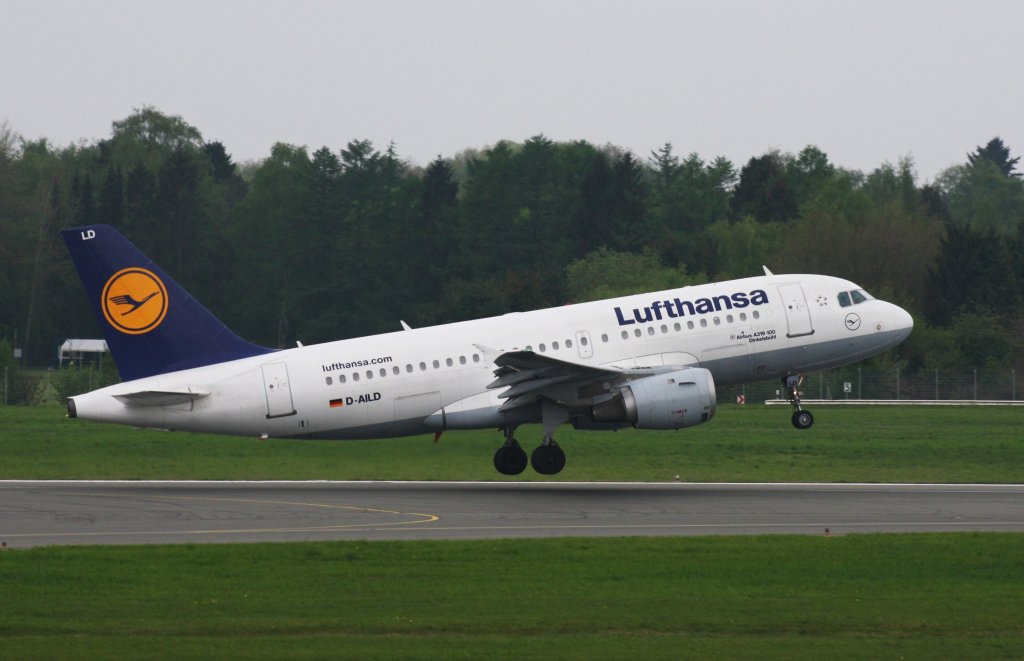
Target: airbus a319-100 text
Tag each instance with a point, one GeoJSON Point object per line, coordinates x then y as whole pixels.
{"type": "Point", "coordinates": [650, 361]}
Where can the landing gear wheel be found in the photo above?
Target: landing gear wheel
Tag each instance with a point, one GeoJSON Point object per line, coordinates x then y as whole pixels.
{"type": "Point", "coordinates": [802, 419]}
{"type": "Point", "coordinates": [548, 459]}
{"type": "Point", "coordinates": [510, 459]}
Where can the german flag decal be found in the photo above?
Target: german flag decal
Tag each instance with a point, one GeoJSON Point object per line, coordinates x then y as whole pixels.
{"type": "Point", "coordinates": [337, 403]}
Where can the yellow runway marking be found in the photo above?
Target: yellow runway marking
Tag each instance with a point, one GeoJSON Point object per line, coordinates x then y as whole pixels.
{"type": "Point", "coordinates": [423, 518]}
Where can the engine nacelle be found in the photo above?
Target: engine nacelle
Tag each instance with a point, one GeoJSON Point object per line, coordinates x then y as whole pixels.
{"type": "Point", "coordinates": [670, 400]}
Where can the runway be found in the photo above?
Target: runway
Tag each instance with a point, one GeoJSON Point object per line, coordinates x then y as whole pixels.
{"type": "Point", "coordinates": [34, 513]}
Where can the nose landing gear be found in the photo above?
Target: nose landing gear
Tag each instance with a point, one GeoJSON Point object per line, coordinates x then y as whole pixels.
{"type": "Point", "coordinates": [801, 419]}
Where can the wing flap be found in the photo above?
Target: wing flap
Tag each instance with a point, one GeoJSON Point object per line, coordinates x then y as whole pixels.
{"type": "Point", "coordinates": [528, 377]}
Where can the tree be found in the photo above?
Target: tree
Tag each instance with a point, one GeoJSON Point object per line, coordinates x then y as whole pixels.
{"type": "Point", "coordinates": [975, 273]}
{"type": "Point", "coordinates": [110, 209]}
{"type": "Point", "coordinates": [764, 190]}
{"type": "Point", "coordinates": [808, 172]}
{"type": "Point", "coordinates": [148, 135]}
{"type": "Point", "coordinates": [743, 247]}
{"type": "Point", "coordinates": [608, 273]}
{"type": "Point", "coordinates": [893, 185]}
{"type": "Point", "coordinates": [221, 166]}
{"type": "Point", "coordinates": [980, 196]}
{"type": "Point", "coordinates": [434, 229]}
{"type": "Point", "coordinates": [998, 154]}
{"type": "Point", "coordinates": [611, 208]}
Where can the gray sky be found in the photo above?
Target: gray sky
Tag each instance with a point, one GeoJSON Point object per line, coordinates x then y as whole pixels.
{"type": "Point", "coordinates": [866, 81]}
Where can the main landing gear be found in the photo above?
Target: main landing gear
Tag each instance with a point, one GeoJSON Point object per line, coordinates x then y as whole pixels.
{"type": "Point", "coordinates": [510, 459]}
{"type": "Point", "coordinates": [801, 419]}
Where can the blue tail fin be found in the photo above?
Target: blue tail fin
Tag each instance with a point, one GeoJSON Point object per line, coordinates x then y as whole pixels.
{"type": "Point", "coordinates": [152, 325]}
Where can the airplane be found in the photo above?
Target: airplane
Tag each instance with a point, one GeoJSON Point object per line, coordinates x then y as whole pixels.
{"type": "Point", "coordinates": [648, 361]}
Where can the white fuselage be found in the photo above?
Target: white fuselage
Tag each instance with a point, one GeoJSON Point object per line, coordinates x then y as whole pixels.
{"type": "Point", "coordinates": [421, 380]}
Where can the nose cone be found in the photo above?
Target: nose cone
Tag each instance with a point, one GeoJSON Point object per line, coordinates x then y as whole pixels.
{"type": "Point", "coordinates": [902, 323]}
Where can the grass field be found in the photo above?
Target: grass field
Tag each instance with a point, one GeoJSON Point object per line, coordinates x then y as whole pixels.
{"type": "Point", "coordinates": [771, 597]}
{"type": "Point", "coordinates": [745, 444]}
{"type": "Point", "coordinates": [869, 596]}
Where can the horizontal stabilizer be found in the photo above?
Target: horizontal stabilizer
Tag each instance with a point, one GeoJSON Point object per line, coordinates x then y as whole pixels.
{"type": "Point", "coordinates": [160, 397]}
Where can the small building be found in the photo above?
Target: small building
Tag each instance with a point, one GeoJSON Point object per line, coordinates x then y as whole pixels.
{"type": "Point", "coordinates": [77, 352]}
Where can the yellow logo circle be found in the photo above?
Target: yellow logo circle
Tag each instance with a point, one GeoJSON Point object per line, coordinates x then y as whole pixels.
{"type": "Point", "coordinates": [134, 301]}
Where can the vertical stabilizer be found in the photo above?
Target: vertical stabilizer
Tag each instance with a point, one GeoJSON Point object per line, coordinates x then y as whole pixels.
{"type": "Point", "coordinates": [152, 325]}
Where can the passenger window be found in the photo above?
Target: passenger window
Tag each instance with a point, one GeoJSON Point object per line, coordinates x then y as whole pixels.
{"type": "Point", "coordinates": [664, 328]}
{"type": "Point", "coordinates": [341, 378]}
{"type": "Point", "coordinates": [637, 332]}
{"type": "Point", "coordinates": [423, 367]}
{"type": "Point", "coordinates": [369, 374]}
{"type": "Point", "coordinates": [396, 370]}
{"type": "Point", "coordinates": [625, 335]}
{"type": "Point", "coordinates": [677, 327]}
{"type": "Point", "coordinates": [844, 299]}
{"type": "Point", "coordinates": [476, 358]}
{"type": "Point", "coordinates": [330, 381]}
{"type": "Point", "coordinates": [743, 316]}
{"type": "Point", "coordinates": [408, 367]}
{"type": "Point", "coordinates": [554, 346]}
{"type": "Point", "coordinates": [462, 360]}
{"type": "Point", "coordinates": [568, 343]}
{"type": "Point", "coordinates": [383, 372]}
{"type": "Point", "coordinates": [437, 364]}
{"type": "Point", "coordinates": [355, 376]}
{"type": "Point", "coordinates": [689, 325]}
{"type": "Point", "coordinates": [718, 321]}
{"type": "Point", "coordinates": [604, 337]}
{"type": "Point", "coordinates": [449, 362]}
{"type": "Point", "coordinates": [728, 318]}
{"type": "Point", "coordinates": [543, 347]}
{"type": "Point", "coordinates": [757, 315]}
{"type": "Point", "coordinates": [703, 323]}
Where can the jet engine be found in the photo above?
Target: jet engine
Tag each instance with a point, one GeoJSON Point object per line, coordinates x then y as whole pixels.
{"type": "Point", "coordinates": [669, 400]}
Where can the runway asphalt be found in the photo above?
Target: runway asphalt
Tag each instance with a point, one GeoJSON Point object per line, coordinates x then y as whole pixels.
{"type": "Point", "coordinates": [34, 513]}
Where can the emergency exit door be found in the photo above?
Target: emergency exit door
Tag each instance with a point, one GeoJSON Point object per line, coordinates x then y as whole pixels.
{"type": "Point", "coordinates": [278, 390]}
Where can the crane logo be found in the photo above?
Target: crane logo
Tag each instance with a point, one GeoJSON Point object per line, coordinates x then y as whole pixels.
{"type": "Point", "coordinates": [134, 301]}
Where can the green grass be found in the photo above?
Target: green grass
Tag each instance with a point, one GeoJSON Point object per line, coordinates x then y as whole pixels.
{"type": "Point", "coordinates": [791, 597]}
{"type": "Point", "coordinates": [745, 444]}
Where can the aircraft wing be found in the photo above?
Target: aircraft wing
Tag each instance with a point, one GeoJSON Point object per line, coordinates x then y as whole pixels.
{"type": "Point", "coordinates": [528, 377]}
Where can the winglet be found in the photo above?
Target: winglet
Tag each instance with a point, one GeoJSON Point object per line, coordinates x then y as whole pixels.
{"type": "Point", "coordinates": [151, 324]}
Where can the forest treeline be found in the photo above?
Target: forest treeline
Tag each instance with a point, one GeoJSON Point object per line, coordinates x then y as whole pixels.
{"type": "Point", "coordinates": [332, 243]}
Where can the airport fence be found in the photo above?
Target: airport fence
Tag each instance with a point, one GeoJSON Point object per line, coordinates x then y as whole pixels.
{"type": "Point", "coordinates": [31, 386]}
{"type": "Point", "coordinates": [892, 384]}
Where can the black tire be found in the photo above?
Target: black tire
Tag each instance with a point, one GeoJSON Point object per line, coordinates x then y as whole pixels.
{"type": "Point", "coordinates": [802, 419]}
{"type": "Point", "coordinates": [548, 459]}
{"type": "Point", "coordinates": [510, 460]}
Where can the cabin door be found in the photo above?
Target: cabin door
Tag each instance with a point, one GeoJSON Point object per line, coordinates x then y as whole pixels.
{"type": "Point", "coordinates": [798, 315]}
{"type": "Point", "coordinates": [278, 390]}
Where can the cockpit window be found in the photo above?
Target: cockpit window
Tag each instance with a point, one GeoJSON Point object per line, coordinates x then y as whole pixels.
{"type": "Point", "coordinates": [848, 298]}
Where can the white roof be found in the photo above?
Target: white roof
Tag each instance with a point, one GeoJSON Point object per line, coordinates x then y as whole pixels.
{"type": "Point", "coordinates": [83, 346]}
